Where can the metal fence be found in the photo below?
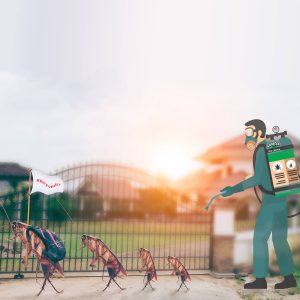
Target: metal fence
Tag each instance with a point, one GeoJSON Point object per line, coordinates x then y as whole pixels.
{"type": "Point", "coordinates": [124, 206]}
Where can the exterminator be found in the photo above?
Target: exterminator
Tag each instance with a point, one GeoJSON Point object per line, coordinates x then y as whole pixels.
{"type": "Point", "coordinates": [272, 216]}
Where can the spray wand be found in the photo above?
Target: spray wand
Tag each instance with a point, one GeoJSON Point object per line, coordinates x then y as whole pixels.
{"type": "Point", "coordinates": [212, 200]}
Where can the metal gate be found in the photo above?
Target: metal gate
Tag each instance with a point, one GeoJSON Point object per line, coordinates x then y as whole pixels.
{"type": "Point", "coordinates": [124, 206]}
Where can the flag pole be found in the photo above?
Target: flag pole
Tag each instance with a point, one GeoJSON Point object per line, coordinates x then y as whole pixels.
{"type": "Point", "coordinates": [28, 216]}
{"type": "Point", "coordinates": [28, 206]}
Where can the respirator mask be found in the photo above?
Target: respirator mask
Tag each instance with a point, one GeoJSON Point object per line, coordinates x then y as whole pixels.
{"type": "Point", "coordinates": [250, 140]}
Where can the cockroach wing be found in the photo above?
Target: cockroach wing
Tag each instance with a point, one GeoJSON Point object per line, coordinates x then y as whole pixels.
{"type": "Point", "coordinates": [154, 270]}
{"type": "Point", "coordinates": [188, 276]}
{"type": "Point", "coordinates": [122, 271]}
{"type": "Point", "coordinates": [177, 264]}
{"type": "Point", "coordinates": [186, 272]}
{"type": "Point", "coordinates": [155, 275]}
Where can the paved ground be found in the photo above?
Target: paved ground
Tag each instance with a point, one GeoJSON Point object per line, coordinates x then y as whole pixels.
{"type": "Point", "coordinates": [202, 287]}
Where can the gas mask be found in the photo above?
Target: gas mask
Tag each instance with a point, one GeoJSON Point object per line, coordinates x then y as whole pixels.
{"type": "Point", "coordinates": [250, 140]}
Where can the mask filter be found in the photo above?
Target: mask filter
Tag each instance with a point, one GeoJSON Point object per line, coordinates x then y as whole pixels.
{"type": "Point", "coordinates": [250, 143]}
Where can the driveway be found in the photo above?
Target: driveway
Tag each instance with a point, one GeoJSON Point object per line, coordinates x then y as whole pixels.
{"type": "Point", "coordinates": [201, 287]}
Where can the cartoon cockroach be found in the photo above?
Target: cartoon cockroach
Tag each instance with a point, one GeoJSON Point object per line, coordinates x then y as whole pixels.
{"type": "Point", "coordinates": [46, 246]}
{"type": "Point", "coordinates": [19, 231]}
{"type": "Point", "coordinates": [179, 270]}
{"type": "Point", "coordinates": [109, 259]}
{"type": "Point", "coordinates": [146, 256]}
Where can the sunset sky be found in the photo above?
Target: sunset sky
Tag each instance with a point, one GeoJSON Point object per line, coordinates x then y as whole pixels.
{"type": "Point", "coordinates": [150, 83]}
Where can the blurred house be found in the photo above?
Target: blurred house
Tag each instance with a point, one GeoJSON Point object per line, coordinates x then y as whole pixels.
{"type": "Point", "coordinates": [121, 196]}
{"type": "Point", "coordinates": [225, 165]}
{"type": "Point", "coordinates": [113, 193]}
{"type": "Point", "coordinates": [12, 175]}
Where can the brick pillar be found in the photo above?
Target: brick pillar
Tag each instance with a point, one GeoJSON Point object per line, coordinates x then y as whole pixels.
{"type": "Point", "coordinates": [222, 241]}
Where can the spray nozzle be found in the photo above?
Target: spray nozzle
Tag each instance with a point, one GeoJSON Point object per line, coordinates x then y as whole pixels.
{"type": "Point", "coordinates": [213, 199]}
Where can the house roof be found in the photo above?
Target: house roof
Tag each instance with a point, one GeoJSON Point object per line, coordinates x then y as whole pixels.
{"type": "Point", "coordinates": [235, 150]}
{"type": "Point", "coordinates": [13, 172]}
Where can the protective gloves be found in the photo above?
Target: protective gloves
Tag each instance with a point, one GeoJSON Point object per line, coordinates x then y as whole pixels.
{"type": "Point", "coordinates": [230, 190]}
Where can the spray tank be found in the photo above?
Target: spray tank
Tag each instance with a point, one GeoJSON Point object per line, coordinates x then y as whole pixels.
{"type": "Point", "coordinates": [282, 164]}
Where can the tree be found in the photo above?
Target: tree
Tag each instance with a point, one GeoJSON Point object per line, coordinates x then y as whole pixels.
{"type": "Point", "coordinates": [58, 203]}
{"type": "Point", "coordinates": [157, 201]}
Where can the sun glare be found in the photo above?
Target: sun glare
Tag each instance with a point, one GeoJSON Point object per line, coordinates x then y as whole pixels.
{"type": "Point", "coordinates": [172, 160]}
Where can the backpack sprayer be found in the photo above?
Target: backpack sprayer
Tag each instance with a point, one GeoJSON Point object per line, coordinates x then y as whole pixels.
{"type": "Point", "coordinates": [282, 164]}
{"type": "Point", "coordinates": [282, 167]}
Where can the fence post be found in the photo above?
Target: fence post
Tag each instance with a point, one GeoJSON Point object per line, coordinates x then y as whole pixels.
{"type": "Point", "coordinates": [222, 240]}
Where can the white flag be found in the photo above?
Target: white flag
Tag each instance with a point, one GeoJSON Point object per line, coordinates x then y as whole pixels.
{"type": "Point", "coordinates": [46, 184]}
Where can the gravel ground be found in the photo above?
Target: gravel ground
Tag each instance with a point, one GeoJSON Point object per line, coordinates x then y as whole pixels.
{"type": "Point", "coordinates": [201, 287]}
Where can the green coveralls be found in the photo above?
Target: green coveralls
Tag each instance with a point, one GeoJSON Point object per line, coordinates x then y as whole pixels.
{"type": "Point", "coordinates": [271, 218]}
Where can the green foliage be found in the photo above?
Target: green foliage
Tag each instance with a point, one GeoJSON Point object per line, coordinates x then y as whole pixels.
{"type": "Point", "coordinates": [156, 201]}
{"type": "Point", "coordinates": [152, 201]}
{"type": "Point", "coordinates": [120, 206]}
{"type": "Point", "coordinates": [58, 203]}
{"type": "Point", "coordinates": [36, 207]}
{"type": "Point", "coordinates": [91, 206]}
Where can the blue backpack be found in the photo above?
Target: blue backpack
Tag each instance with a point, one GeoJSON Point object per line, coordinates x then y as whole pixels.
{"type": "Point", "coordinates": [55, 249]}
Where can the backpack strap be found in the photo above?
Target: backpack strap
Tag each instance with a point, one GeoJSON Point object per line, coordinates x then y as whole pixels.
{"type": "Point", "coordinates": [41, 231]}
{"type": "Point", "coordinates": [58, 245]}
{"type": "Point", "coordinates": [254, 160]}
